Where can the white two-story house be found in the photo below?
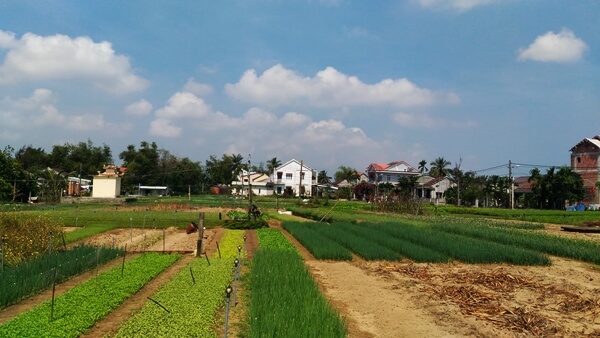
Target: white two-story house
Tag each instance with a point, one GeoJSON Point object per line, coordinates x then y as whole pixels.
{"type": "Point", "coordinates": [295, 178]}
{"type": "Point", "coordinates": [390, 173]}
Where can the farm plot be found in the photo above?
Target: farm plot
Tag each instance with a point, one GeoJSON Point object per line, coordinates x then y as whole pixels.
{"type": "Point", "coordinates": [387, 241]}
{"type": "Point", "coordinates": [79, 308]}
{"type": "Point", "coordinates": [188, 305]}
{"type": "Point", "coordinates": [285, 300]}
{"type": "Point", "coordinates": [29, 277]}
{"type": "Point", "coordinates": [462, 300]}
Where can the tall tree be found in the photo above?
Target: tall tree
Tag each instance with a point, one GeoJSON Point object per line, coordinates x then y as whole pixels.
{"type": "Point", "coordinates": [272, 164]}
{"type": "Point", "coordinates": [323, 177]}
{"type": "Point", "coordinates": [346, 173]}
{"type": "Point", "coordinates": [423, 166]}
{"type": "Point", "coordinates": [142, 166]}
{"type": "Point", "coordinates": [439, 167]}
{"type": "Point", "coordinates": [555, 187]}
{"type": "Point", "coordinates": [32, 159]}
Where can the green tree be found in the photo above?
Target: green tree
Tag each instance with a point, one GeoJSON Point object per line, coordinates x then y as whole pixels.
{"type": "Point", "coordinates": [32, 159]}
{"type": "Point", "coordinates": [407, 186]}
{"type": "Point", "coordinates": [142, 166]}
{"type": "Point", "coordinates": [323, 177]}
{"type": "Point", "coordinates": [83, 158]}
{"type": "Point", "coordinates": [423, 166]}
{"type": "Point", "coordinates": [553, 189]}
{"type": "Point", "coordinates": [346, 173]}
{"type": "Point", "coordinates": [272, 164]}
{"type": "Point", "coordinates": [439, 167]}
{"type": "Point", "coordinates": [53, 183]}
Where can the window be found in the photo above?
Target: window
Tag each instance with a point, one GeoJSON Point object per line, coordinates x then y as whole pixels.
{"type": "Point", "coordinates": [288, 176]}
{"type": "Point", "coordinates": [389, 178]}
{"type": "Point", "coordinates": [279, 175]}
{"type": "Point", "coordinates": [578, 159]}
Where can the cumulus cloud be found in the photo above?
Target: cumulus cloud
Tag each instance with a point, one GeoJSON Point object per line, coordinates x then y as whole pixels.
{"type": "Point", "coordinates": [23, 115]}
{"type": "Point", "coordinates": [554, 47]}
{"type": "Point", "coordinates": [60, 57]}
{"type": "Point", "coordinates": [164, 128]}
{"type": "Point", "coordinates": [200, 89]}
{"type": "Point", "coordinates": [184, 105]}
{"type": "Point", "coordinates": [279, 86]}
{"type": "Point", "coordinates": [457, 5]}
{"type": "Point", "coordinates": [429, 122]}
{"type": "Point", "coordinates": [139, 108]}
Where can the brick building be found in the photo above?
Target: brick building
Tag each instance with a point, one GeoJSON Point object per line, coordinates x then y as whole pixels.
{"type": "Point", "coordinates": [584, 161]}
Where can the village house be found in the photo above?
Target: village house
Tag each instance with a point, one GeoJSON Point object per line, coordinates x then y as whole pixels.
{"type": "Point", "coordinates": [584, 161]}
{"type": "Point", "coordinates": [260, 184]}
{"type": "Point", "coordinates": [295, 178]}
{"type": "Point", "coordinates": [390, 173]}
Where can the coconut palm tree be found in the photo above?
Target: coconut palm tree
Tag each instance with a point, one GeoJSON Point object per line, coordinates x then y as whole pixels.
{"type": "Point", "coordinates": [423, 166]}
{"type": "Point", "coordinates": [272, 164]}
{"type": "Point", "coordinates": [439, 167]}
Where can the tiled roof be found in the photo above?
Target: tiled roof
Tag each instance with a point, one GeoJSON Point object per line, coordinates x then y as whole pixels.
{"type": "Point", "coordinates": [434, 181]}
{"type": "Point", "coordinates": [593, 140]}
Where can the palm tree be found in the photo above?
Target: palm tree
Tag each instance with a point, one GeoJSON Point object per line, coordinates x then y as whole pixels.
{"type": "Point", "coordinates": [272, 164]}
{"type": "Point", "coordinates": [439, 167]}
{"type": "Point", "coordinates": [323, 177]}
{"type": "Point", "coordinates": [423, 166]}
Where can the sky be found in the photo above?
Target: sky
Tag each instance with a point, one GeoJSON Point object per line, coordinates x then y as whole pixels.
{"type": "Point", "coordinates": [329, 82]}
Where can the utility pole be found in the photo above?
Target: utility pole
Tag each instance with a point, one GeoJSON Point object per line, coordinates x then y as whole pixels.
{"type": "Point", "coordinates": [300, 184]}
{"type": "Point", "coordinates": [249, 189]}
{"type": "Point", "coordinates": [512, 186]}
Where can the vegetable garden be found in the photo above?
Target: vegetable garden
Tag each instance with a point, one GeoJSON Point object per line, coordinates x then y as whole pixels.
{"type": "Point", "coordinates": [283, 298]}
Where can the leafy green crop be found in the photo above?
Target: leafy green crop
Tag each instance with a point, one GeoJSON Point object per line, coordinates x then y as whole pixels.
{"type": "Point", "coordinates": [192, 307]}
{"type": "Point", "coordinates": [78, 309]}
{"type": "Point", "coordinates": [29, 277]}
{"type": "Point", "coordinates": [192, 302]}
{"type": "Point", "coordinates": [285, 300]}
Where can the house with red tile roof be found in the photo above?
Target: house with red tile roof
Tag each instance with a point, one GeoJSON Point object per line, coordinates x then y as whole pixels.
{"type": "Point", "coordinates": [390, 172]}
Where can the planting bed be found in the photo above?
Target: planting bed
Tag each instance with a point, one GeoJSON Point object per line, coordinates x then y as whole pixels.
{"type": "Point", "coordinates": [385, 298]}
{"type": "Point", "coordinates": [392, 299]}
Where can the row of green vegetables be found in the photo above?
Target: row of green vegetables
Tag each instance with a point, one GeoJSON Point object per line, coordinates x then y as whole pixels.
{"type": "Point", "coordinates": [190, 302]}
{"type": "Point", "coordinates": [285, 300]}
{"type": "Point", "coordinates": [31, 276]}
{"type": "Point", "coordinates": [437, 243]}
{"type": "Point", "coordinates": [76, 310]}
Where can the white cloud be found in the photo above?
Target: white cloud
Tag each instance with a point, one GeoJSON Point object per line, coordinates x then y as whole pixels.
{"type": "Point", "coordinates": [197, 88]}
{"type": "Point", "coordinates": [164, 128]}
{"type": "Point", "coordinates": [23, 116]}
{"type": "Point", "coordinates": [184, 105]}
{"type": "Point", "coordinates": [7, 39]}
{"type": "Point", "coordinates": [552, 47]}
{"type": "Point", "coordinates": [86, 122]}
{"type": "Point", "coordinates": [292, 119]}
{"type": "Point", "coordinates": [330, 88]}
{"type": "Point", "coordinates": [59, 57]}
{"type": "Point", "coordinates": [457, 5]}
{"type": "Point", "coordinates": [427, 121]}
{"type": "Point", "coordinates": [139, 108]}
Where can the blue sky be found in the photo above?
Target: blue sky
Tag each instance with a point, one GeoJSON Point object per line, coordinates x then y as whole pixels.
{"type": "Point", "coordinates": [330, 82]}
